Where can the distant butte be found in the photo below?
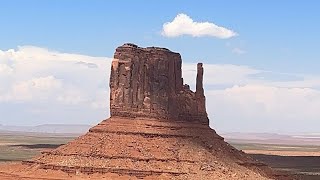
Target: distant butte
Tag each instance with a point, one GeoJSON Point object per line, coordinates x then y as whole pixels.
{"type": "Point", "coordinates": [158, 129]}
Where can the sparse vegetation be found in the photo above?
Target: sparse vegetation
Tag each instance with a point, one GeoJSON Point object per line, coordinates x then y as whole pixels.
{"type": "Point", "coordinates": [276, 147]}
{"type": "Point", "coordinates": [297, 159]}
{"type": "Point", "coordinates": [18, 147]}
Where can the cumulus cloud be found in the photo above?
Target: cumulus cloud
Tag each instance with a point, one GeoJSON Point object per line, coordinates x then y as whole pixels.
{"type": "Point", "coordinates": [182, 24]}
{"type": "Point", "coordinates": [33, 73]}
{"type": "Point", "coordinates": [39, 86]}
{"type": "Point", "coordinates": [257, 104]}
{"type": "Point", "coordinates": [36, 88]}
{"type": "Point", "coordinates": [5, 69]}
{"type": "Point", "coordinates": [262, 108]}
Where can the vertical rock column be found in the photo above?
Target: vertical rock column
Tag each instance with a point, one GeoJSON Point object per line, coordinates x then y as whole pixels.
{"type": "Point", "coordinates": [201, 100]}
{"type": "Point", "coordinates": [199, 80]}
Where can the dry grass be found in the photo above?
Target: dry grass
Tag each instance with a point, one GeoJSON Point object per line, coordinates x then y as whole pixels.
{"type": "Point", "coordinates": [283, 153]}
{"type": "Point", "coordinates": [18, 147]}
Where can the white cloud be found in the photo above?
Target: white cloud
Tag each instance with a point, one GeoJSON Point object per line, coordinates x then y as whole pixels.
{"type": "Point", "coordinates": [184, 25]}
{"type": "Point", "coordinates": [45, 86]}
{"type": "Point", "coordinates": [73, 96]}
{"type": "Point", "coordinates": [42, 74]}
{"type": "Point", "coordinates": [220, 74]}
{"type": "Point", "coordinates": [5, 69]}
{"type": "Point", "coordinates": [238, 51]}
{"type": "Point", "coordinates": [36, 88]}
{"type": "Point", "coordinates": [263, 108]}
{"type": "Point", "coordinates": [239, 100]}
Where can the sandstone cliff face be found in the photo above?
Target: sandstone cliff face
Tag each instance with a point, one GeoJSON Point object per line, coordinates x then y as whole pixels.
{"type": "Point", "coordinates": [147, 82]}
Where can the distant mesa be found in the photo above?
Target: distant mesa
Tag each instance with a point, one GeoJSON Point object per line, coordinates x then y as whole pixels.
{"type": "Point", "coordinates": [158, 129]}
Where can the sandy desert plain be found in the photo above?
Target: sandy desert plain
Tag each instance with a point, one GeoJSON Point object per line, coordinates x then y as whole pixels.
{"type": "Point", "coordinates": [297, 154]}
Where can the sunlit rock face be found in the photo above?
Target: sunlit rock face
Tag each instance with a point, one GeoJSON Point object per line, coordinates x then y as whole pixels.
{"type": "Point", "coordinates": [147, 82]}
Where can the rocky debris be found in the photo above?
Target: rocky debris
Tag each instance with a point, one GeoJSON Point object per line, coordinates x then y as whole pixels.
{"type": "Point", "coordinates": [158, 129]}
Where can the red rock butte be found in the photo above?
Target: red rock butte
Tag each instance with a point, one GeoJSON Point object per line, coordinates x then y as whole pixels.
{"type": "Point", "coordinates": [147, 82]}
{"type": "Point", "coordinates": [158, 129]}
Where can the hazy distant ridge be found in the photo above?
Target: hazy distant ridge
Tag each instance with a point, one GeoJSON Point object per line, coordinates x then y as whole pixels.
{"type": "Point", "coordinates": [273, 138]}
{"type": "Point", "coordinates": [49, 128]}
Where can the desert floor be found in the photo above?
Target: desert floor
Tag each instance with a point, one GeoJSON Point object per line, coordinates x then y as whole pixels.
{"type": "Point", "coordinates": [303, 160]}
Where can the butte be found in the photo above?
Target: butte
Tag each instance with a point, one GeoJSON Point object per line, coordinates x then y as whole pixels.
{"type": "Point", "coordinates": [158, 129]}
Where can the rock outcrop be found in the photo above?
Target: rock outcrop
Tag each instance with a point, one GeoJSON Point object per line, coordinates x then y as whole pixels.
{"type": "Point", "coordinates": [147, 82]}
{"type": "Point", "coordinates": [158, 129]}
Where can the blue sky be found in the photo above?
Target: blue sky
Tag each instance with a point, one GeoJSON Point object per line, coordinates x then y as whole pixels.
{"type": "Point", "coordinates": [279, 35]}
{"type": "Point", "coordinates": [276, 47]}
